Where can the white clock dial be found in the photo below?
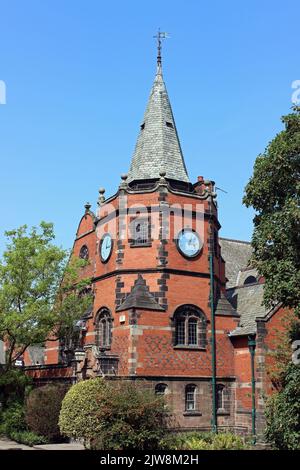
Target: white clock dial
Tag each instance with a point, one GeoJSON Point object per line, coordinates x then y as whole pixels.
{"type": "Point", "coordinates": [189, 243]}
{"type": "Point", "coordinates": [106, 245]}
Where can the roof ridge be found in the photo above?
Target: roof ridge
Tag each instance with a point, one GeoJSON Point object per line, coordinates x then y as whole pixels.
{"type": "Point", "coordinates": [234, 240]}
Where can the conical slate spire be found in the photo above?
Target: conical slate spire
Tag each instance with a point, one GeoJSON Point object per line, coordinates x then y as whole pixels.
{"type": "Point", "coordinates": [158, 148]}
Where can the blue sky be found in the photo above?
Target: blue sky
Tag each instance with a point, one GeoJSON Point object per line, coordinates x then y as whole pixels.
{"type": "Point", "coordinates": [78, 76]}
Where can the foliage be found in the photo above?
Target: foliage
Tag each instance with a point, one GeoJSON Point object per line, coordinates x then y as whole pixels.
{"type": "Point", "coordinates": [13, 419]}
{"type": "Point", "coordinates": [42, 411]}
{"type": "Point", "coordinates": [283, 412]}
{"type": "Point", "coordinates": [113, 415]}
{"type": "Point", "coordinates": [274, 193]}
{"type": "Point", "coordinates": [28, 438]}
{"type": "Point", "coordinates": [79, 412]}
{"type": "Point", "coordinates": [280, 355]}
{"type": "Point", "coordinates": [35, 304]}
{"type": "Point", "coordinates": [202, 441]}
{"type": "Point", "coordinates": [14, 385]}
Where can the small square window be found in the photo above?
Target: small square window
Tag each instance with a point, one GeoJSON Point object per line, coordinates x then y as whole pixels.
{"type": "Point", "coordinates": [140, 232]}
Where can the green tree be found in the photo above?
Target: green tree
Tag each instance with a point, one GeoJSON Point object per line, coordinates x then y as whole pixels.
{"type": "Point", "coordinates": [274, 193]}
{"type": "Point", "coordinates": [283, 412]}
{"type": "Point", "coordinates": [40, 290]}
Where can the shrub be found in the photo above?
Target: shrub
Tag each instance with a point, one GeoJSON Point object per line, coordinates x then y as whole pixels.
{"type": "Point", "coordinates": [79, 412]}
{"type": "Point", "coordinates": [14, 386]}
{"type": "Point", "coordinates": [202, 441]}
{"type": "Point", "coordinates": [228, 441]}
{"type": "Point", "coordinates": [113, 415]}
{"type": "Point", "coordinates": [283, 413]}
{"type": "Point", "coordinates": [28, 438]}
{"type": "Point", "coordinates": [13, 419]}
{"type": "Point", "coordinates": [42, 411]}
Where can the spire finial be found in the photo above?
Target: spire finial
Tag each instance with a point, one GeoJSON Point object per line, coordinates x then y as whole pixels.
{"type": "Point", "coordinates": [159, 36]}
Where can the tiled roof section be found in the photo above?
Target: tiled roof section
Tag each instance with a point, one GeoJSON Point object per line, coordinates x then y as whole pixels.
{"type": "Point", "coordinates": [248, 303]}
{"type": "Point", "coordinates": [236, 255]}
{"type": "Point", "coordinates": [158, 148]}
{"type": "Point", "coordinates": [224, 307]}
{"type": "Point", "coordinates": [140, 297]}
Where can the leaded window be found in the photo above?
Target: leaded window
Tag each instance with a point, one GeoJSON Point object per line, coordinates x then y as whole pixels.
{"type": "Point", "coordinates": [84, 252]}
{"type": "Point", "coordinates": [103, 328]}
{"type": "Point", "coordinates": [190, 397]}
{"type": "Point", "coordinates": [220, 397]}
{"type": "Point", "coordinates": [140, 231]}
{"type": "Point", "coordinates": [190, 327]}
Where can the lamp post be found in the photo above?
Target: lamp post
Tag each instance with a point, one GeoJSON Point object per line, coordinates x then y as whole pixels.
{"type": "Point", "coordinates": [252, 345]}
{"type": "Point", "coordinates": [212, 314]}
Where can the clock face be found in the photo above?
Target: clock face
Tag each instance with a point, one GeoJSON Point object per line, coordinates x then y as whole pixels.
{"type": "Point", "coordinates": [106, 246]}
{"type": "Point", "coordinates": [189, 243]}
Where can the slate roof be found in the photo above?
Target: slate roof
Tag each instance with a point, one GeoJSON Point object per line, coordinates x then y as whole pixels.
{"type": "Point", "coordinates": [224, 307]}
{"type": "Point", "coordinates": [158, 148]}
{"type": "Point", "coordinates": [245, 299]}
{"type": "Point", "coordinates": [236, 254]}
{"type": "Point", "coordinates": [248, 303]}
{"type": "Point", "coordinates": [140, 297]}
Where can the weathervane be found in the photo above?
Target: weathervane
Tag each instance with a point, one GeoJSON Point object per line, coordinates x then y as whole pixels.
{"type": "Point", "coordinates": [159, 36]}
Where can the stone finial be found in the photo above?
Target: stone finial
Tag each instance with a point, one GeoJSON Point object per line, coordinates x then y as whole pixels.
{"type": "Point", "coordinates": [123, 184]}
{"type": "Point", "coordinates": [101, 198]}
{"type": "Point", "coordinates": [87, 207]}
{"type": "Point", "coordinates": [162, 180]}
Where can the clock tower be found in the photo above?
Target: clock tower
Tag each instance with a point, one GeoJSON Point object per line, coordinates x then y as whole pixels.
{"type": "Point", "coordinates": [160, 314]}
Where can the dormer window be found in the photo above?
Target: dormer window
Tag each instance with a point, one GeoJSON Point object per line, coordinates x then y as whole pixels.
{"type": "Point", "coordinates": [250, 280]}
{"type": "Point", "coordinates": [169, 124]}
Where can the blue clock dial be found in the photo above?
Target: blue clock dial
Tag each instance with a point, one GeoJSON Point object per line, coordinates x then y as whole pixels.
{"type": "Point", "coordinates": [189, 243]}
{"type": "Point", "coordinates": [106, 246]}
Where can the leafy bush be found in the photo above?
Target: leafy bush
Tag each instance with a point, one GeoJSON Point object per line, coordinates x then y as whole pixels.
{"type": "Point", "coordinates": [113, 415]}
{"type": "Point", "coordinates": [283, 413]}
{"type": "Point", "coordinates": [202, 441]}
{"type": "Point", "coordinates": [42, 411]}
{"type": "Point", "coordinates": [14, 386]}
{"type": "Point", "coordinates": [79, 412]}
{"type": "Point", "coordinates": [28, 438]}
{"type": "Point", "coordinates": [13, 419]}
{"type": "Point", "coordinates": [228, 441]}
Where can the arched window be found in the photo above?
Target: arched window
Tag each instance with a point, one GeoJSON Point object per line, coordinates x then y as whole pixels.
{"type": "Point", "coordinates": [103, 328]}
{"type": "Point", "coordinates": [190, 397]}
{"type": "Point", "coordinates": [190, 327]}
{"type": "Point", "coordinates": [161, 389]}
{"type": "Point", "coordinates": [250, 280]}
{"type": "Point", "coordinates": [84, 252]}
